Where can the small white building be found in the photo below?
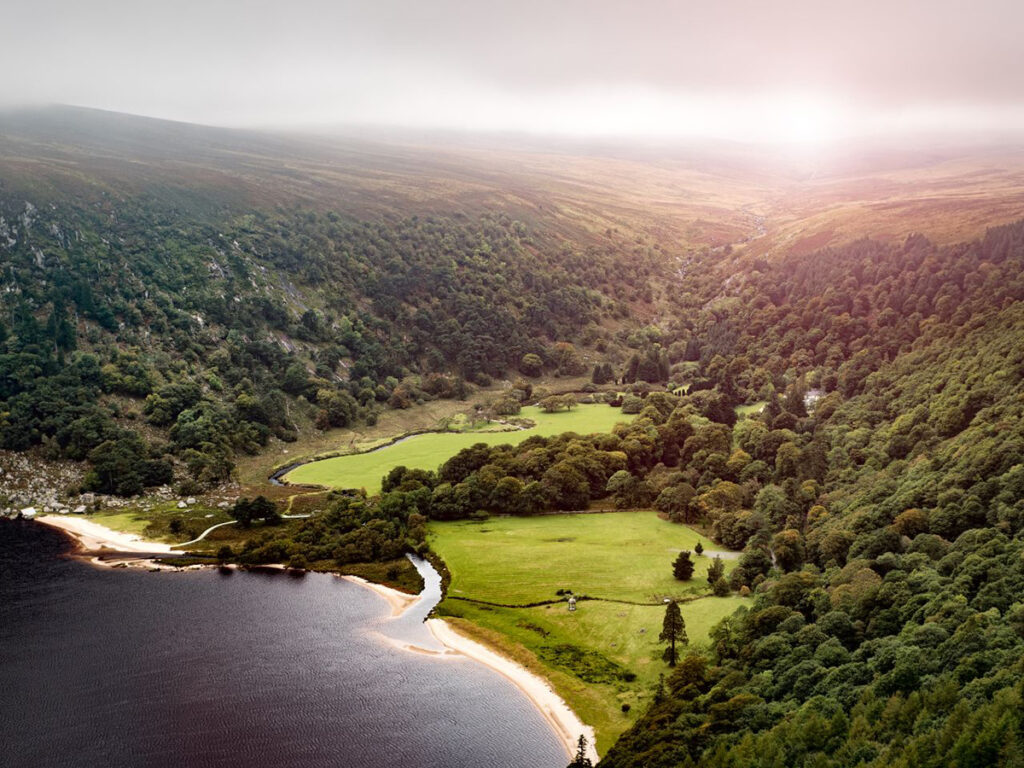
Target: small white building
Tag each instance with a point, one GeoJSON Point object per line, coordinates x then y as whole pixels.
{"type": "Point", "coordinates": [811, 398]}
{"type": "Point", "coordinates": [28, 513]}
{"type": "Point", "coordinates": [572, 603]}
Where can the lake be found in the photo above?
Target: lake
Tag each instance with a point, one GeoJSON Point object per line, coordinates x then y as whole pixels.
{"type": "Point", "coordinates": [105, 667]}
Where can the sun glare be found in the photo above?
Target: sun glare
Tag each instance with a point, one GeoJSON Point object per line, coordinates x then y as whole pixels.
{"type": "Point", "coordinates": [806, 121]}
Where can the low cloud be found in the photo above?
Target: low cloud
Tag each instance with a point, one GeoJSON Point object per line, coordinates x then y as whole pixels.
{"type": "Point", "coordinates": [787, 70]}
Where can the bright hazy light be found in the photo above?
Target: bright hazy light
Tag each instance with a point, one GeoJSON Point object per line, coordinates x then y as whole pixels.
{"type": "Point", "coordinates": [795, 119]}
{"type": "Point", "coordinates": [808, 121]}
{"type": "Point", "coordinates": [802, 74]}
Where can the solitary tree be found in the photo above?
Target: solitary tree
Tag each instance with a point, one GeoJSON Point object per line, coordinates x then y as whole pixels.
{"type": "Point", "coordinates": [551, 403]}
{"type": "Point", "coordinates": [673, 631]}
{"type": "Point", "coordinates": [682, 568]}
{"type": "Point", "coordinates": [716, 570]}
{"type": "Point", "coordinates": [245, 511]}
{"type": "Point", "coordinates": [699, 549]}
{"type": "Point", "coordinates": [531, 365]}
{"type": "Point", "coordinates": [581, 760]}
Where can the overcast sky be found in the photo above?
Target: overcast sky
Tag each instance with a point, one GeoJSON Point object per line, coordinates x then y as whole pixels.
{"type": "Point", "coordinates": [781, 70]}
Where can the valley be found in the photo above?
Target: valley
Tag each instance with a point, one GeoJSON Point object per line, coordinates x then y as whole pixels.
{"type": "Point", "coordinates": [551, 367]}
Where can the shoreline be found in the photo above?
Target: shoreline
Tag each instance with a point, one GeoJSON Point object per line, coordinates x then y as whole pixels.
{"type": "Point", "coordinates": [559, 716]}
{"type": "Point", "coordinates": [400, 602]}
{"type": "Point", "coordinates": [91, 537]}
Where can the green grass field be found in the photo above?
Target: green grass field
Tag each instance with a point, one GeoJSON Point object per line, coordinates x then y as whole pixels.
{"type": "Point", "coordinates": [616, 555]}
{"type": "Point", "coordinates": [605, 654]}
{"type": "Point", "coordinates": [429, 451]}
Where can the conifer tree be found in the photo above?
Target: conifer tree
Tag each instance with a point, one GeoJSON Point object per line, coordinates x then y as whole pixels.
{"type": "Point", "coordinates": [673, 631]}
{"type": "Point", "coordinates": [581, 760]}
{"type": "Point", "coordinates": [716, 570]}
{"type": "Point", "coordinates": [682, 568]}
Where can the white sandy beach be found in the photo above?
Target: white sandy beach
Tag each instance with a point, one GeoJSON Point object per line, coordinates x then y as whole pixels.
{"type": "Point", "coordinates": [399, 601]}
{"type": "Point", "coordinates": [565, 723]}
{"type": "Point", "coordinates": [560, 717]}
{"type": "Point", "coordinates": [95, 537]}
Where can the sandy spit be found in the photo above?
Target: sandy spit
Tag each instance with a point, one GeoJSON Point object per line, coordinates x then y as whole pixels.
{"type": "Point", "coordinates": [95, 537]}
{"type": "Point", "coordinates": [563, 721]}
{"type": "Point", "coordinates": [560, 717]}
{"type": "Point", "coordinates": [399, 601]}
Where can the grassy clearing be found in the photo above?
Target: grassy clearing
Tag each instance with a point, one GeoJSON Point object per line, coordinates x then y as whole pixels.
{"type": "Point", "coordinates": [750, 410]}
{"type": "Point", "coordinates": [605, 654]}
{"type": "Point", "coordinates": [365, 470]}
{"type": "Point", "coordinates": [615, 555]}
{"type": "Point", "coordinates": [253, 471]}
{"type": "Point", "coordinates": [155, 524]}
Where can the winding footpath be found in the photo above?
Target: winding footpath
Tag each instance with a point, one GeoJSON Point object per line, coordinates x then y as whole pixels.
{"type": "Point", "coordinates": [202, 535]}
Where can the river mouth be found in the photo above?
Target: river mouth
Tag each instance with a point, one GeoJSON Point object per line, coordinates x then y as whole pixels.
{"type": "Point", "coordinates": [409, 629]}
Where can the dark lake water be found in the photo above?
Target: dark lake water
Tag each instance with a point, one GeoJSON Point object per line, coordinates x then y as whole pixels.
{"type": "Point", "coordinates": [102, 667]}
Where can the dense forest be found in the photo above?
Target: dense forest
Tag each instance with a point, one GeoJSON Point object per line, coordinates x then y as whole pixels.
{"type": "Point", "coordinates": [882, 531]}
{"type": "Point", "coordinates": [154, 344]}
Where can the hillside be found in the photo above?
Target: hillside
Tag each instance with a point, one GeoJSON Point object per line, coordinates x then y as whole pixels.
{"type": "Point", "coordinates": [131, 298]}
{"type": "Point", "coordinates": [888, 632]}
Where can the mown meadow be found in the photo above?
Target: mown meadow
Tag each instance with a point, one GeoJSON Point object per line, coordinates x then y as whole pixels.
{"type": "Point", "coordinates": [428, 451]}
{"type": "Point", "coordinates": [604, 658]}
